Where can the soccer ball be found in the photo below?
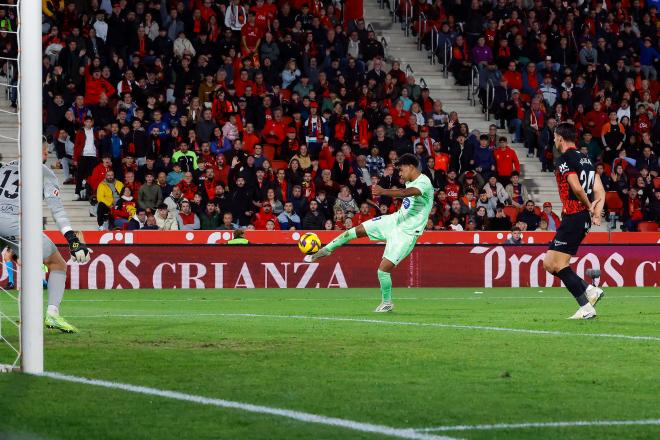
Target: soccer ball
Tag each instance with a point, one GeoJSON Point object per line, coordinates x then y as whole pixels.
{"type": "Point", "coordinates": [309, 243]}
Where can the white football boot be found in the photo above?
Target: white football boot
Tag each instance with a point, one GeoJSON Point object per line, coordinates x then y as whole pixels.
{"type": "Point", "coordinates": [323, 252]}
{"type": "Point", "coordinates": [594, 294]}
{"type": "Point", "coordinates": [384, 307]}
{"type": "Point", "coordinates": [587, 311]}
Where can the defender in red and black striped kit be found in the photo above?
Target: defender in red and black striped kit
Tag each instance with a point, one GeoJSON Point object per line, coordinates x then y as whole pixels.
{"type": "Point", "coordinates": [582, 195]}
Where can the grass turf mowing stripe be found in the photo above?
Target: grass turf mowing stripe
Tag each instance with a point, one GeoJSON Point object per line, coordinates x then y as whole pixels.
{"type": "Point", "coordinates": [378, 321]}
{"type": "Point", "coordinates": [406, 433]}
{"type": "Point", "coordinates": [576, 423]}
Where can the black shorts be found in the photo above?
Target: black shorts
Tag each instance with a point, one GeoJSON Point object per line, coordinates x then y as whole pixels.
{"type": "Point", "coordinates": [571, 232]}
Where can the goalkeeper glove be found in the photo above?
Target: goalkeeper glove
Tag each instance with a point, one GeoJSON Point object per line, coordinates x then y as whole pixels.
{"type": "Point", "coordinates": [79, 251]}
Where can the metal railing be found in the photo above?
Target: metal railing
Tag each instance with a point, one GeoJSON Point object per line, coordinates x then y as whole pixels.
{"type": "Point", "coordinates": [408, 7]}
{"type": "Point", "coordinates": [490, 97]}
{"type": "Point", "coordinates": [409, 70]}
{"type": "Point", "coordinates": [386, 47]}
{"type": "Point", "coordinates": [474, 79]}
{"type": "Point", "coordinates": [449, 56]}
{"type": "Point", "coordinates": [421, 29]}
{"type": "Point", "coordinates": [434, 36]}
{"type": "Point", "coordinates": [395, 10]}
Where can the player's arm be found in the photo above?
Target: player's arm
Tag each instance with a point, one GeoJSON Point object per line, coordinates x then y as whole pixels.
{"type": "Point", "coordinates": [599, 199]}
{"type": "Point", "coordinates": [79, 251]}
{"type": "Point", "coordinates": [577, 189]}
{"type": "Point", "coordinates": [396, 193]}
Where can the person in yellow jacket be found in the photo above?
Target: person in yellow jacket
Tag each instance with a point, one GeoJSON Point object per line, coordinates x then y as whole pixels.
{"type": "Point", "coordinates": [107, 196]}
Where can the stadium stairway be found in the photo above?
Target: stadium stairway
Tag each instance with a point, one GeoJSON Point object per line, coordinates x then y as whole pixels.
{"type": "Point", "coordinates": [404, 49]}
{"type": "Point", "coordinates": [78, 211]}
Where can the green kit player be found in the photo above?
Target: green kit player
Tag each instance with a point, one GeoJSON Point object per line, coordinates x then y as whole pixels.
{"type": "Point", "coordinates": [400, 230]}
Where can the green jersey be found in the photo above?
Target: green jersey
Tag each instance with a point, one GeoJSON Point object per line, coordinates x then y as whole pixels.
{"type": "Point", "coordinates": [413, 215]}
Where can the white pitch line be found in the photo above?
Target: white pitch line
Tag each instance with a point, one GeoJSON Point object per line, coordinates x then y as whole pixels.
{"type": "Point", "coordinates": [377, 321]}
{"type": "Point", "coordinates": [300, 416]}
{"type": "Point", "coordinates": [541, 425]}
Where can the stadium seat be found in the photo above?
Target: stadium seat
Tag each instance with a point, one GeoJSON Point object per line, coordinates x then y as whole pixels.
{"type": "Point", "coordinates": [511, 212]}
{"type": "Point", "coordinates": [538, 211]}
{"type": "Point", "coordinates": [656, 182]}
{"type": "Point", "coordinates": [279, 164]}
{"type": "Point", "coordinates": [269, 152]}
{"type": "Point", "coordinates": [613, 202]}
{"type": "Point", "coordinates": [647, 227]}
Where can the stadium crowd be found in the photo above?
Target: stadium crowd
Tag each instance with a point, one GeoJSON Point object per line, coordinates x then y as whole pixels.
{"type": "Point", "coordinates": [206, 114]}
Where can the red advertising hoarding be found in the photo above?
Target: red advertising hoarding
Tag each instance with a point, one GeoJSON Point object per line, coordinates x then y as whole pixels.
{"type": "Point", "coordinates": [281, 266]}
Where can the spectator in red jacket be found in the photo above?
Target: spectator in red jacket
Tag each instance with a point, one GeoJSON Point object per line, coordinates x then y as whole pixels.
{"type": "Point", "coordinates": [187, 186]}
{"type": "Point", "coordinates": [506, 161]}
{"type": "Point", "coordinates": [96, 86]}
{"type": "Point", "coordinates": [99, 172]}
{"type": "Point", "coordinates": [264, 215]}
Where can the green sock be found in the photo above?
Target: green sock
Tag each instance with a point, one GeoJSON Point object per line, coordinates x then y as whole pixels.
{"type": "Point", "coordinates": [343, 238]}
{"type": "Point", "coordinates": [385, 280]}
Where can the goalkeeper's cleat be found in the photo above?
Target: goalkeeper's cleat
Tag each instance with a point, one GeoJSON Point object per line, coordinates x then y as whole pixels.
{"type": "Point", "coordinates": [323, 252]}
{"type": "Point", "coordinates": [594, 294]}
{"type": "Point", "coordinates": [587, 311]}
{"type": "Point", "coordinates": [57, 322]}
{"type": "Point", "coordinates": [384, 307]}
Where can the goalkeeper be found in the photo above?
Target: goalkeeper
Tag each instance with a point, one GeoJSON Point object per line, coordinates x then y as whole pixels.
{"type": "Point", "coordinates": [9, 231]}
{"type": "Point", "coordinates": [400, 230]}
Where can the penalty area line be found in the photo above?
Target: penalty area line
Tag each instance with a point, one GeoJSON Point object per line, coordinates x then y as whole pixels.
{"type": "Point", "coordinates": [379, 322]}
{"type": "Point", "coordinates": [406, 433]}
{"type": "Point", "coordinates": [568, 424]}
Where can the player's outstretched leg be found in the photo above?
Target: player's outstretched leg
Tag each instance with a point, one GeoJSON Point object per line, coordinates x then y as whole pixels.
{"type": "Point", "coordinates": [385, 280]}
{"type": "Point", "coordinates": [557, 263]}
{"type": "Point", "coordinates": [341, 240]}
{"type": "Point", "coordinates": [56, 282]}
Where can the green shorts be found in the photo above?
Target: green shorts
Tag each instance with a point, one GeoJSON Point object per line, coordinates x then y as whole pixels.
{"type": "Point", "coordinates": [398, 244]}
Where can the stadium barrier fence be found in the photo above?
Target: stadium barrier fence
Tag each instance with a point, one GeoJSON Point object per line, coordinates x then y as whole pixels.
{"type": "Point", "coordinates": [280, 266]}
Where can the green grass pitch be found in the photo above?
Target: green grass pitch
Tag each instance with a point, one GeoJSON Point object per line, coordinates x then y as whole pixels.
{"type": "Point", "coordinates": [445, 357]}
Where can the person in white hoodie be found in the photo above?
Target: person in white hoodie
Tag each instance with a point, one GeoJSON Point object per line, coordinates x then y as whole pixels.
{"type": "Point", "coordinates": [183, 46]}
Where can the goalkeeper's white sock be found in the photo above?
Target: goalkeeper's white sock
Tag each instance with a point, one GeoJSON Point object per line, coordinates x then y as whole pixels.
{"type": "Point", "coordinates": [56, 282]}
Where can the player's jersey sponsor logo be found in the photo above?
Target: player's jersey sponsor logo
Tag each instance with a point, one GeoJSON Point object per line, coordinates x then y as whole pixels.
{"type": "Point", "coordinates": [563, 167]}
{"type": "Point", "coordinates": [559, 243]}
{"type": "Point", "coordinates": [406, 203]}
{"type": "Point", "coordinates": [376, 218]}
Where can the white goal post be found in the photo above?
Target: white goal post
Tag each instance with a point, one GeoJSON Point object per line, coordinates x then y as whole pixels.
{"type": "Point", "coordinates": [30, 125]}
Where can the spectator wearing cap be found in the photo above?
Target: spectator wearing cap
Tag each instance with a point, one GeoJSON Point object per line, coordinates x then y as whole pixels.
{"type": "Point", "coordinates": [548, 90]}
{"type": "Point", "coordinates": [550, 217]}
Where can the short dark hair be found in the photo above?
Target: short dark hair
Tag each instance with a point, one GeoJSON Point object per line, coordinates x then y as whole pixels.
{"type": "Point", "coordinates": [516, 229]}
{"type": "Point", "coordinates": [408, 159]}
{"type": "Point", "coordinates": [567, 131]}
